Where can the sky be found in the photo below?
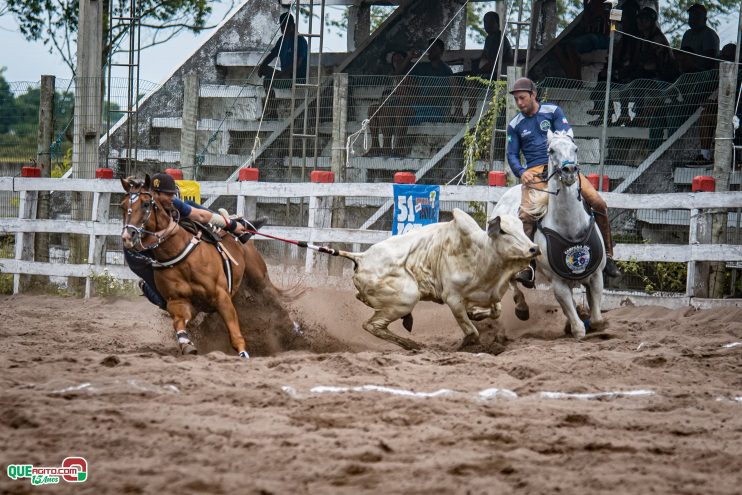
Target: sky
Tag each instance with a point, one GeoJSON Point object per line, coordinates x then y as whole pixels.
{"type": "Point", "coordinates": [27, 61]}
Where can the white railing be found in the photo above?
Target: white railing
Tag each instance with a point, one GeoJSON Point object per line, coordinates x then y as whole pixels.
{"type": "Point", "coordinates": [318, 229]}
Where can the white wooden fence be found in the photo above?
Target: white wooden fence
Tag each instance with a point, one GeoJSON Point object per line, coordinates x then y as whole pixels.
{"type": "Point", "coordinates": [318, 229]}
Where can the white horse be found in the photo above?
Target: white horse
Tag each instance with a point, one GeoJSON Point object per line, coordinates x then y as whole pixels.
{"type": "Point", "coordinates": [579, 256]}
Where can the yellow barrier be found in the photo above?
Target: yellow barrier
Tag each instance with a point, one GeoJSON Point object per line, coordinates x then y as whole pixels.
{"type": "Point", "coordinates": [189, 190]}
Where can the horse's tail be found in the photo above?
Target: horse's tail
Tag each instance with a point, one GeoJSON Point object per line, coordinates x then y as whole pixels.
{"type": "Point", "coordinates": [354, 257]}
{"type": "Point", "coordinates": [538, 204]}
{"type": "Point", "coordinates": [292, 293]}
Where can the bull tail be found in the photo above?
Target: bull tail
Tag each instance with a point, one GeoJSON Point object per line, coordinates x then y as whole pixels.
{"type": "Point", "coordinates": [354, 257]}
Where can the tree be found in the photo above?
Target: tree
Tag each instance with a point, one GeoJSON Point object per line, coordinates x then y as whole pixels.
{"type": "Point", "coordinates": [54, 23]}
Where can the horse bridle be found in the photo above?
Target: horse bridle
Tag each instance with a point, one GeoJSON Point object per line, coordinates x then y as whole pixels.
{"type": "Point", "coordinates": [559, 172]}
{"type": "Point", "coordinates": [160, 235]}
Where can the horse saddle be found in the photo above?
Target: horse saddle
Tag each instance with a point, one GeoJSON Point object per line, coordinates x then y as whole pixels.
{"type": "Point", "coordinates": [211, 236]}
{"type": "Point", "coordinates": [574, 259]}
{"type": "Point", "coordinates": [207, 233]}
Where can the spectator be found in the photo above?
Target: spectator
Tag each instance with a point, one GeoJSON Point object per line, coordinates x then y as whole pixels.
{"type": "Point", "coordinates": [470, 91]}
{"type": "Point", "coordinates": [650, 59]}
{"type": "Point", "coordinates": [433, 98]}
{"type": "Point", "coordinates": [699, 39]}
{"type": "Point", "coordinates": [594, 27]}
{"type": "Point", "coordinates": [489, 57]}
{"type": "Point", "coordinates": [284, 50]}
{"type": "Point", "coordinates": [389, 125]}
{"type": "Point", "coordinates": [707, 121]}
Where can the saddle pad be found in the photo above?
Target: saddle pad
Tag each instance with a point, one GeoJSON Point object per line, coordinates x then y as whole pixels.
{"type": "Point", "coordinates": [574, 260]}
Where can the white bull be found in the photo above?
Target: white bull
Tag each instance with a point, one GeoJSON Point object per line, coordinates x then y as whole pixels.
{"type": "Point", "coordinates": [454, 263]}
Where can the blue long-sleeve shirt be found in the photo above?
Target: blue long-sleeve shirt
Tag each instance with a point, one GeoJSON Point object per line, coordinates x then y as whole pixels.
{"type": "Point", "coordinates": [528, 135]}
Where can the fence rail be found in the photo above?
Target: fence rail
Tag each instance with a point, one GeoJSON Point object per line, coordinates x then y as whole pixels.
{"type": "Point", "coordinates": [317, 228]}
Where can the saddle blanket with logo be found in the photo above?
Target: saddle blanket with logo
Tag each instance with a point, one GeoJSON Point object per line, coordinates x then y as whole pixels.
{"type": "Point", "coordinates": [574, 260]}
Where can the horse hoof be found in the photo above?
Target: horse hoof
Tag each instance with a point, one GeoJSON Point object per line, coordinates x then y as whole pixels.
{"type": "Point", "coordinates": [472, 339]}
{"type": "Point", "coordinates": [244, 355]}
{"type": "Point", "coordinates": [523, 314]}
{"type": "Point", "coordinates": [188, 350]}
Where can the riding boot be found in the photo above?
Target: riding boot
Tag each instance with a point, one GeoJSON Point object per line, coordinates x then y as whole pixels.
{"type": "Point", "coordinates": [527, 277]}
{"type": "Point", "coordinates": [604, 224]}
{"type": "Point", "coordinates": [252, 227]}
{"type": "Point", "coordinates": [152, 295]}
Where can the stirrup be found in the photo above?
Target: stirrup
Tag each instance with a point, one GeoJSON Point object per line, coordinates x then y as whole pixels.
{"type": "Point", "coordinates": [610, 269]}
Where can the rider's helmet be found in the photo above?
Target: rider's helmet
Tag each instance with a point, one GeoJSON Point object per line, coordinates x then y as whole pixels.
{"type": "Point", "coordinates": [164, 183]}
{"type": "Point", "coordinates": [523, 84]}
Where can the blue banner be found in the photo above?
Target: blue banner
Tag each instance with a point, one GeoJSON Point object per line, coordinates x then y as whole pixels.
{"type": "Point", "coordinates": [415, 206]}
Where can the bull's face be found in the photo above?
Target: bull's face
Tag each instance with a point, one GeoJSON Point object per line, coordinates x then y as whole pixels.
{"type": "Point", "coordinates": [506, 232]}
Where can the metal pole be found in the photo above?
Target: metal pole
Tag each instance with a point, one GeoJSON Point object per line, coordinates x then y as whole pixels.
{"type": "Point", "coordinates": [615, 16]}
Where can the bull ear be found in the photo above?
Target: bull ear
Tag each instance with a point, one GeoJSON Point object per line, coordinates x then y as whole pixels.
{"type": "Point", "coordinates": [125, 184]}
{"type": "Point", "coordinates": [493, 227]}
{"type": "Point", "coordinates": [146, 181]}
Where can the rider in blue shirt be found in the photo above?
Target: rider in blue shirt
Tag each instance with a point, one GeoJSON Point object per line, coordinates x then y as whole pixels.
{"type": "Point", "coordinates": [527, 135]}
{"type": "Point", "coordinates": [164, 190]}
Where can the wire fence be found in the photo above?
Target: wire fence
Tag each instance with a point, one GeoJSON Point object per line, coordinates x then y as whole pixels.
{"type": "Point", "coordinates": [430, 126]}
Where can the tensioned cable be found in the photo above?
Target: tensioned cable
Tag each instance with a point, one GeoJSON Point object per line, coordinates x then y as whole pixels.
{"type": "Point", "coordinates": [674, 49]}
{"type": "Point", "coordinates": [364, 125]}
{"type": "Point", "coordinates": [461, 174]}
{"type": "Point", "coordinates": [256, 142]}
{"type": "Point", "coordinates": [211, 139]}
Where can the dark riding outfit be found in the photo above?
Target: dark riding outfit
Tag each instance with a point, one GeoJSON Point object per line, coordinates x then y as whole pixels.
{"type": "Point", "coordinates": [528, 135]}
{"type": "Point", "coordinates": [140, 262]}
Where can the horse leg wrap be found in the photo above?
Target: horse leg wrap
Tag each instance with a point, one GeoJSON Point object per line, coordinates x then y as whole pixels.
{"type": "Point", "coordinates": [186, 346]}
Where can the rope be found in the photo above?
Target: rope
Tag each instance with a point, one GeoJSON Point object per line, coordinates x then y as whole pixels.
{"type": "Point", "coordinates": [364, 125]}
{"type": "Point", "coordinates": [461, 174]}
{"type": "Point", "coordinates": [200, 157]}
{"type": "Point", "coordinates": [256, 142]}
{"type": "Point", "coordinates": [672, 48]}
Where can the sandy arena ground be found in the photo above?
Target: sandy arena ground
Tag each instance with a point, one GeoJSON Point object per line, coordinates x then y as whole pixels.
{"type": "Point", "coordinates": [102, 379]}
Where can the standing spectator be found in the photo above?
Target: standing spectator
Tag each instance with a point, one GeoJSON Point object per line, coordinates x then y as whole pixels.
{"type": "Point", "coordinates": [488, 59]}
{"type": "Point", "coordinates": [699, 39]}
{"type": "Point", "coordinates": [284, 50]}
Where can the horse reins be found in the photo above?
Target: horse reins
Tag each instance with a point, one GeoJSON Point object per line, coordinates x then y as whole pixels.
{"type": "Point", "coordinates": [161, 235]}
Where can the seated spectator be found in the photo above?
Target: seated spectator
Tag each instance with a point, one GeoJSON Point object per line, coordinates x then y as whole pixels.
{"type": "Point", "coordinates": [653, 60]}
{"type": "Point", "coordinates": [433, 92]}
{"type": "Point", "coordinates": [699, 39]}
{"type": "Point", "coordinates": [284, 50]}
{"type": "Point", "coordinates": [594, 30]}
{"type": "Point", "coordinates": [388, 128]}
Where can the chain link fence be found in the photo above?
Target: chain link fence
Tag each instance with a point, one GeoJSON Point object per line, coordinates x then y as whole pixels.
{"type": "Point", "coordinates": [429, 126]}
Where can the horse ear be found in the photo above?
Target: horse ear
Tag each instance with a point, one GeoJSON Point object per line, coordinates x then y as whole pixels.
{"type": "Point", "coordinates": [571, 134]}
{"type": "Point", "coordinates": [549, 135]}
{"type": "Point", "coordinates": [146, 181]}
{"type": "Point", "coordinates": [493, 227]}
{"type": "Point", "coordinates": [125, 184]}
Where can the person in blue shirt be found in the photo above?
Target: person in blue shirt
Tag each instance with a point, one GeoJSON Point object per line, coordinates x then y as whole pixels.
{"type": "Point", "coordinates": [284, 50]}
{"type": "Point", "coordinates": [164, 191]}
{"type": "Point", "coordinates": [527, 135]}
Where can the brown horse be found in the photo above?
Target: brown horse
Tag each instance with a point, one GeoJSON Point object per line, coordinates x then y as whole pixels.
{"type": "Point", "coordinates": [188, 273]}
